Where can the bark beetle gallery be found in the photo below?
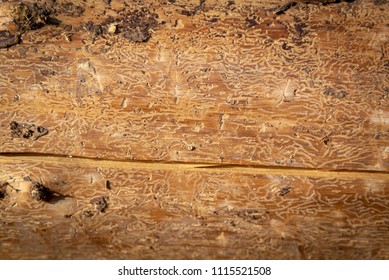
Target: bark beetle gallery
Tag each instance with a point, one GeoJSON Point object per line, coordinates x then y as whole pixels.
{"type": "Point", "coordinates": [188, 129]}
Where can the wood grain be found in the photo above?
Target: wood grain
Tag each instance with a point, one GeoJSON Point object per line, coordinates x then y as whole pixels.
{"type": "Point", "coordinates": [191, 129]}
{"type": "Point", "coordinates": [181, 214]}
{"type": "Point", "coordinates": [235, 84]}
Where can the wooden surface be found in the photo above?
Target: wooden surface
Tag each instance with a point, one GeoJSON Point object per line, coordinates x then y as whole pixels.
{"type": "Point", "coordinates": [195, 130]}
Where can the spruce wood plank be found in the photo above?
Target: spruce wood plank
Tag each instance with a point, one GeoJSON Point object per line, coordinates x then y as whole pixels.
{"type": "Point", "coordinates": [231, 82]}
{"type": "Point", "coordinates": [118, 210]}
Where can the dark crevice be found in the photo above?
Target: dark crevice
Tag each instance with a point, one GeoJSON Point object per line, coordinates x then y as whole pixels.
{"type": "Point", "coordinates": [197, 165]}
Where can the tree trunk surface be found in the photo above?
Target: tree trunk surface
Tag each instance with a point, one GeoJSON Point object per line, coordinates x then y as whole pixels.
{"type": "Point", "coordinates": [192, 129]}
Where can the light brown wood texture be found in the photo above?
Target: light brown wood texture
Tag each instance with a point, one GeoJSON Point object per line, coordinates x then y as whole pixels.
{"type": "Point", "coordinates": [226, 130]}
{"type": "Point", "coordinates": [175, 214]}
{"type": "Point", "coordinates": [198, 87]}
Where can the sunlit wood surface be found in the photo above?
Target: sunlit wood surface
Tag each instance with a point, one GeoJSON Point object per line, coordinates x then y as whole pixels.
{"type": "Point", "coordinates": [194, 129]}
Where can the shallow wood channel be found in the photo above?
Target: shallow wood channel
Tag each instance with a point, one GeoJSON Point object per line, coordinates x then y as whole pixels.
{"type": "Point", "coordinates": [192, 129]}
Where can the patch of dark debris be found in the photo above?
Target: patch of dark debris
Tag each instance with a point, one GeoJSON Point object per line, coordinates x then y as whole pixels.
{"type": "Point", "coordinates": [135, 26]}
{"type": "Point", "coordinates": [100, 203]}
{"type": "Point", "coordinates": [7, 39]}
{"type": "Point", "coordinates": [327, 140]}
{"type": "Point", "coordinates": [285, 190]}
{"type": "Point", "coordinates": [27, 179]}
{"type": "Point", "coordinates": [197, 9]}
{"type": "Point", "coordinates": [27, 16]}
{"type": "Point", "coordinates": [3, 193]}
{"type": "Point", "coordinates": [93, 30]}
{"type": "Point", "coordinates": [286, 47]}
{"type": "Point", "coordinates": [282, 9]}
{"type": "Point", "coordinates": [332, 92]}
{"type": "Point", "coordinates": [3, 189]}
{"type": "Point", "coordinates": [25, 130]}
{"type": "Point", "coordinates": [108, 185]}
{"type": "Point", "coordinates": [39, 192]}
{"type": "Point", "coordinates": [30, 16]}
{"type": "Point", "coordinates": [251, 21]}
{"type": "Point", "coordinates": [70, 9]}
{"type": "Point", "coordinates": [300, 32]}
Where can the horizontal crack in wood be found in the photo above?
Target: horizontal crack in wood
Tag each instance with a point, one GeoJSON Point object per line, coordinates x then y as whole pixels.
{"type": "Point", "coordinates": [192, 167]}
